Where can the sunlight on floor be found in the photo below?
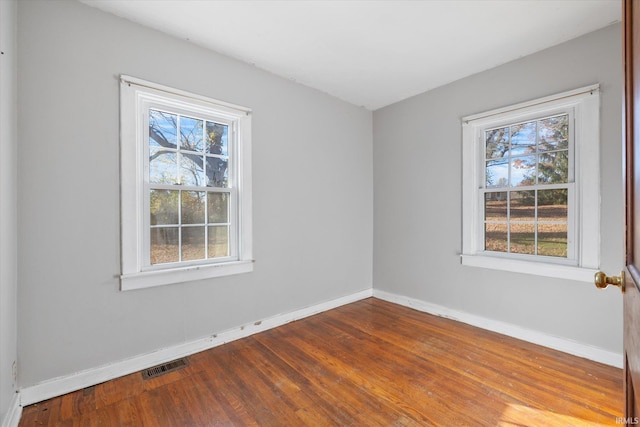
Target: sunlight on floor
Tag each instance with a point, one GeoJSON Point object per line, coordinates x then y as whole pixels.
{"type": "Point", "coordinates": [519, 415]}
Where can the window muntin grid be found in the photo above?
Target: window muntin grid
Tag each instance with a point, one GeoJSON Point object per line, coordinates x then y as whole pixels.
{"type": "Point", "coordinates": [190, 196]}
{"type": "Point", "coordinates": [528, 187]}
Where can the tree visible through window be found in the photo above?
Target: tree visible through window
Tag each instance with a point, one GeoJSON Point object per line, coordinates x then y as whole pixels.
{"type": "Point", "coordinates": [531, 200]}
{"type": "Point", "coordinates": [186, 186]}
{"type": "Point", "coordinates": [527, 187]}
{"type": "Point", "coordinates": [188, 170]}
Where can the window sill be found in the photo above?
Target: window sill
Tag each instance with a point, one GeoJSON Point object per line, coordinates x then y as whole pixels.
{"type": "Point", "coordinates": [559, 271]}
{"type": "Point", "coordinates": [149, 279]}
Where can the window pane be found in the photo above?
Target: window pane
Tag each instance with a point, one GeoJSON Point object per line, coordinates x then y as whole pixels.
{"type": "Point", "coordinates": [553, 133]}
{"type": "Point", "coordinates": [522, 206]}
{"type": "Point", "coordinates": [497, 143]}
{"type": "Point", "coordinates": [553, 167]}
{"type": "Point", "coordinates": [217, 208]}
{"type": "Point", "coordinates": [163, 167]}
{"type": "Point", "coordinates": [217, 172]}
{"type": "Point", "coordinates": [497, 173]}
{"type": "Point", "coordinates": [523, 139]}
{"type": "Point", "coordinates": [552, 205]}
{"type": "Point", "coordinates": [552, 240]}
{"type": "Point", "coordinates": [523, 171]}
{"type": "Point", "coordinates": [218, 241]}
{"type": "Point", "coordinates": [164, 245]}
{"type": "Point", "coordinates": [523, 238]}
{"type": "Point", "coordinates": [190, 134]}
{"type": "Point", "coordinates": [495, 206]}
{"type": "Point", "coordinates": [217, 139]}
{"type": "Point", "coordinates": [163, 207]}
{"type": "Point", "coordinates": [191, 169]}
{"type": "Point", "coordinates": [192, 207]}
{"type": "Point", "coordinates": [495, 237]}
{"type": "Point", "coordinates": [192, 243]}
{"type": "Point", "coordinates": [162, 129]}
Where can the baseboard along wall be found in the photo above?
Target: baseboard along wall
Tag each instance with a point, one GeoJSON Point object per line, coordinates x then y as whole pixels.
{"type": "Point", "coordinates": [557, 343]}
{"type": "Point", "coordinates": [69, 383]}
{"type": "Point", "coordinates": [12, 417]}
{"type": "Point", "coordinates": [77, 381]}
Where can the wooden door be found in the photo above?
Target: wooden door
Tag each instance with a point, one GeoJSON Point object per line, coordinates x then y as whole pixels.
{"type": "Point", "coordinates": [631, 280]}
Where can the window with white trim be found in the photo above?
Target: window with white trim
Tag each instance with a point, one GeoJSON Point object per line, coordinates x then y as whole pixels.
{"type": "Point", "coordinates": [531, 186]}
{"type": "Point", "coordinates": [185, 186]}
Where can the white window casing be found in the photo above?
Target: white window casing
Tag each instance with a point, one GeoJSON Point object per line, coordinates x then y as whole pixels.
{"type": "Point", "coordinates": [137, 96]}
{"type": "Point", "coordinates": [583, 259]}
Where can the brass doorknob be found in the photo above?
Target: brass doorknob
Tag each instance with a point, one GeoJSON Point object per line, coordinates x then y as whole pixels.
{"type": "Point", "coordinates": [602, 280]}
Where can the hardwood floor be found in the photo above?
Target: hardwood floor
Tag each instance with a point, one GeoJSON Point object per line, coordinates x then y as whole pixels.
{"type": "Point", "coordinates": [370, 363]}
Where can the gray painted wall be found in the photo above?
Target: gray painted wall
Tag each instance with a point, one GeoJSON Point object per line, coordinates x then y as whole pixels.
{"type": "Point", "coordinates": [417, 202]}
{"type": "Point", "coordinates": [313, 195]}
{"type": "Point", "coordinates": [8, 211]}
{"type": "Point", "coordinates": [312, 157]}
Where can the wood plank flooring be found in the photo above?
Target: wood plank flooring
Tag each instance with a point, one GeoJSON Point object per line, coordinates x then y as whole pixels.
{"type": "Point", "coordinates": [370, 363]}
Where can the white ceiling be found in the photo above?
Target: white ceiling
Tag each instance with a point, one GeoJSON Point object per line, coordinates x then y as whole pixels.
{"type": "Point", "coordinates": [371, 53]}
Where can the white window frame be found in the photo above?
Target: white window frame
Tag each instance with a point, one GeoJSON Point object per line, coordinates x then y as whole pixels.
{"type": "Point", "coordinates": [136, 97]}
{"type": "Point", "coordinates": [583, 259]}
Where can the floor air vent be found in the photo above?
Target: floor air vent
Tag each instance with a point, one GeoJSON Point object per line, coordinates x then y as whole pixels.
{"type": "Point", "coordinates": [165, 368]}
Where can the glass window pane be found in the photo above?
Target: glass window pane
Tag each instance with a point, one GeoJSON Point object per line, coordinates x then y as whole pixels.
{"type": "Point", "coordinates": [217, 138]}
{"type": "Point", "coordinates": [192, 207]}
{"type": "Point", "coordinates": [552, 205]}
{"type": "Point", "coordinates": [191, 172]}
{"type": "Point", "coordinates": [523, 171]}
{"type": "Point", "coordinates": [218, 245]}
{"type": "Point", "coordinates": [163, 207]}
{"type": "Point", "coordinates": [553, 133]}
{"type": "Point", "coordinates": [497, 143]}
{"type": "Point", "coordinates": [495, 237]}
{"type": "Point", "coordinates": [163, 167]}
{"type": "Point", "coordinates": [553, 167]}
{"type": "Point", "coordinates": [522, 206]}
{"type": "Point", "coordinates": [164, 245]}
{"type": "Point", "coordinates": [162, 129]}
{"type": "Point", "coordinates": [217, 208]}
{"type": "Point", "coordinates": [190, 134]}
{"type": "Point", "coordinates": [217, 172]}
{"type": "Point", "coordinates": [552, 240]}
{"type": "Point", "coordinates": [522, 238]}
{"type": "Point", "coordinates": [192, 243]}
{"type": "Point", "coordinates": [495, 206]}
{"type": "Point", "coordinates": [497, 173]}
{"type": "Point", "coordinates": [523, 139]}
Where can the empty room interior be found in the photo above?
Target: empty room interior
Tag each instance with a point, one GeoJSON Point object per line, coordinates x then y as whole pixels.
{"type": "Point", "coordinates": [310, 212]}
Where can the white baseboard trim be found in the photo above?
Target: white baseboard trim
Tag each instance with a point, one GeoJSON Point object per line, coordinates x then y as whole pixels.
{"type": "Point", "coordinates": [68, 383]}
{"type": "Point", "coordinates": [557, 343]}
{"type": "Point", "coordinates": [12, 417]}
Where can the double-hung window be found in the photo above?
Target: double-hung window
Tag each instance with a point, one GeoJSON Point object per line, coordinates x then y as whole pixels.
{"type": "Point", "coordinates": [185, 186]}
{"type": "Point", "coordinates": [531, 186]}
